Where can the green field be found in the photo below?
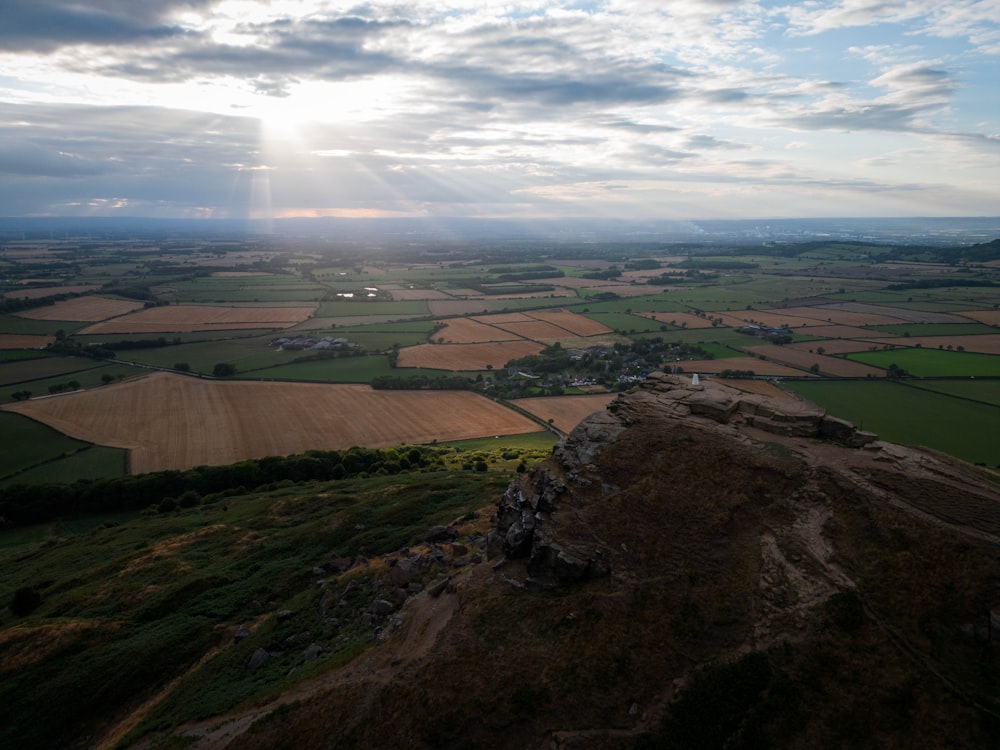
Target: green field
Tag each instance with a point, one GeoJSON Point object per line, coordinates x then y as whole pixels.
{"type": "Point", "coordinates": [625, 323]}
{"type": "Point", "coordinates": [14, 324]}
{"type": "Point", "coordinates": [45, 367]}
{"type": "Point", "coordinates": [91, 378]}
{"type": "Point", "coordinates": [90, 462]}
{"type": "Point", "coordinates": [350, 308]}
{"type": "Point", "coordinates": [987, 391]}
{"type": "Point", "coordinates": [344, 370]}
{"type": "Point", "coordinates": [27, 443]}
{"type": "Point", "coordinates": [19, 355]}
{"type": "Point", "coordinates": [34, 453]}
{"type": "Point", "coordinates": [247, 353]}
{"type": "Point", "coordinates": [933, 363]}
{"type": "Point", "coordinates": [911, 416]}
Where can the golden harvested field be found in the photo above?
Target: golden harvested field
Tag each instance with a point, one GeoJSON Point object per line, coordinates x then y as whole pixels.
{"type": "Point", "coordinates": [770, 318]}
{"type": "Point", "coordinates": [827, 365]}
{"type": "Point", "coordinates": [175, 422]}
{"type": "Point", "coordinates": [186, 318]}
{"type": "Point", "coordinates": [905, 316]}
{"type": "Point", "coordinates": [24, 341]}
{"type": "Point", "coordinates": [83, 308]}
{"type": "Point", "coordinates": [566, 412]}
{"type": "Point", "coordinates": [498, 318]}
{"type": "Point", "coordinates": [758, 366]}
{"type": "Point", "coordinates": [460, 357]}
{"type": "Point", "coordinates": [49, 291]}
{"type": "Point", "coordinates": [535, 329]}
{"type": "Point", "coordinates": [989, 317]}
{"type": "Point", "coordinates": [578, 325]}
{"type": "Point", "coordinates": [987, 344]}
{"type": "Point", "coordinates": [469, 331]}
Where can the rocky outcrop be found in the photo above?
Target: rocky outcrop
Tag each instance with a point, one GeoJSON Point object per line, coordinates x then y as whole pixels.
{"type": "Point", "coordinates": [538, 518]}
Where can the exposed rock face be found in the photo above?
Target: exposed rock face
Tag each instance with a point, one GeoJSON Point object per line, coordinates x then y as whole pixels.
{"type": "Point", "coordinates": [554, 517]}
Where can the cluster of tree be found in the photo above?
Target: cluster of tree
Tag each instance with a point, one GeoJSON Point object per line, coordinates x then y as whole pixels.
{"type": "Point", "coordinates": [139, 292]}
{"type": "Point", "coordinates": [421, 382]}
{"type": "Point", "coordinates": [643, 264]}
{"type": "Point", "coordinates": [25, 504]}
{"type": "Point", "coordinates": [526, 275]}
{"type": "Point", "coordinates": [491, 288]}
{"type": "Point", "coordinates": [72, 385]}
{"type": "Point", "coordinates": [717, 264]}
{"type": "Point", "coordinates": [610, 273]}
{"type": "Point", "coordinates": [550, 360]}
{"type": "Point", "coordinates": [126, 345]}
{"type": "Point", "coordinates": [514, 269]}
{"type": "Point", "coordinates": [17, 304]}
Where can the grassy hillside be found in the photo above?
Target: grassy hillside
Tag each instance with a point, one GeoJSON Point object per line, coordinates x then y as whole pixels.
{"type": "Point", "coordinates": [109, 617]}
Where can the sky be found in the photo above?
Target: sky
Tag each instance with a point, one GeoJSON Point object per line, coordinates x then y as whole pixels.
{"type": "Point", "coordinates": [626, 109]}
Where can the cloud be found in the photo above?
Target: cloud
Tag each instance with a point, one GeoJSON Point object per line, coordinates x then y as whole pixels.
{"type": "Point", "coordinates": [45, 25]}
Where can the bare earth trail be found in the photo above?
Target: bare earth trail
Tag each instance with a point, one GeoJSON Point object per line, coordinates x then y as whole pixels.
{"type": "Point", "coordinates": [421, 621]}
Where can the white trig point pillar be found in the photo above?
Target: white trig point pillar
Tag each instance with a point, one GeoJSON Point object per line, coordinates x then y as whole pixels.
{"type": "Point", "coordinates": [695, 380]}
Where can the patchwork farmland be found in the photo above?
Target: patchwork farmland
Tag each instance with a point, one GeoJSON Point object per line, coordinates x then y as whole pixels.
{"type": "Point", "coordinates": [477, 327]}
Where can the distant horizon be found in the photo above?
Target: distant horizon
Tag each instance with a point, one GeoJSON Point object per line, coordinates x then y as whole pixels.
{"type": "Point", "coordinates": [941, 230]}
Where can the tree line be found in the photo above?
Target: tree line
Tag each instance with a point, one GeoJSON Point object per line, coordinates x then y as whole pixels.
{"type": "Point", "coordinates": [28, 504]}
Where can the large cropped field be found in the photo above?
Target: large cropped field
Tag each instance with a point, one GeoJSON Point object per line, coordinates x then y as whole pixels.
{"type": "Point", "coordinates": [459, 357]}
{"type": "Point", "coordinates": [24, 341]}
{"type": "Point", "coordinates": [83, 308]}
{"type": "Point", "coordinates": [901, 414]}
{"type": "Point", "coordinates": [175, 422]}
{"type": "Point", "coordinates": [184, 318]}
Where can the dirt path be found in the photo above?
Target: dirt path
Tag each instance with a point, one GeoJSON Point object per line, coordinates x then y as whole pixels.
{"type": "Point", "coordinates": [421, 621]}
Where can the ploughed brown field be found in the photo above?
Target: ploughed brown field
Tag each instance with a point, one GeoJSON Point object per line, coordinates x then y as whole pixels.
{"type": "Point", "coordinates": [176, 422]}
{"type": "Point", "coordinates": [83, 308]}
{"type": "Point", "coordinates": [566, 412]}
{"type": "Point", "coordinates": [187, 318]}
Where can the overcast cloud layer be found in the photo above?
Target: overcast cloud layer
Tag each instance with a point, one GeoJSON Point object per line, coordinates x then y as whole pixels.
{"type": "Point", "coordinates": [673, 109]}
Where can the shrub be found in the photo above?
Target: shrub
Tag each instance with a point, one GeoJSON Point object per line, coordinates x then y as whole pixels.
{"type": "Point", "coordinates": [25, 601]}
